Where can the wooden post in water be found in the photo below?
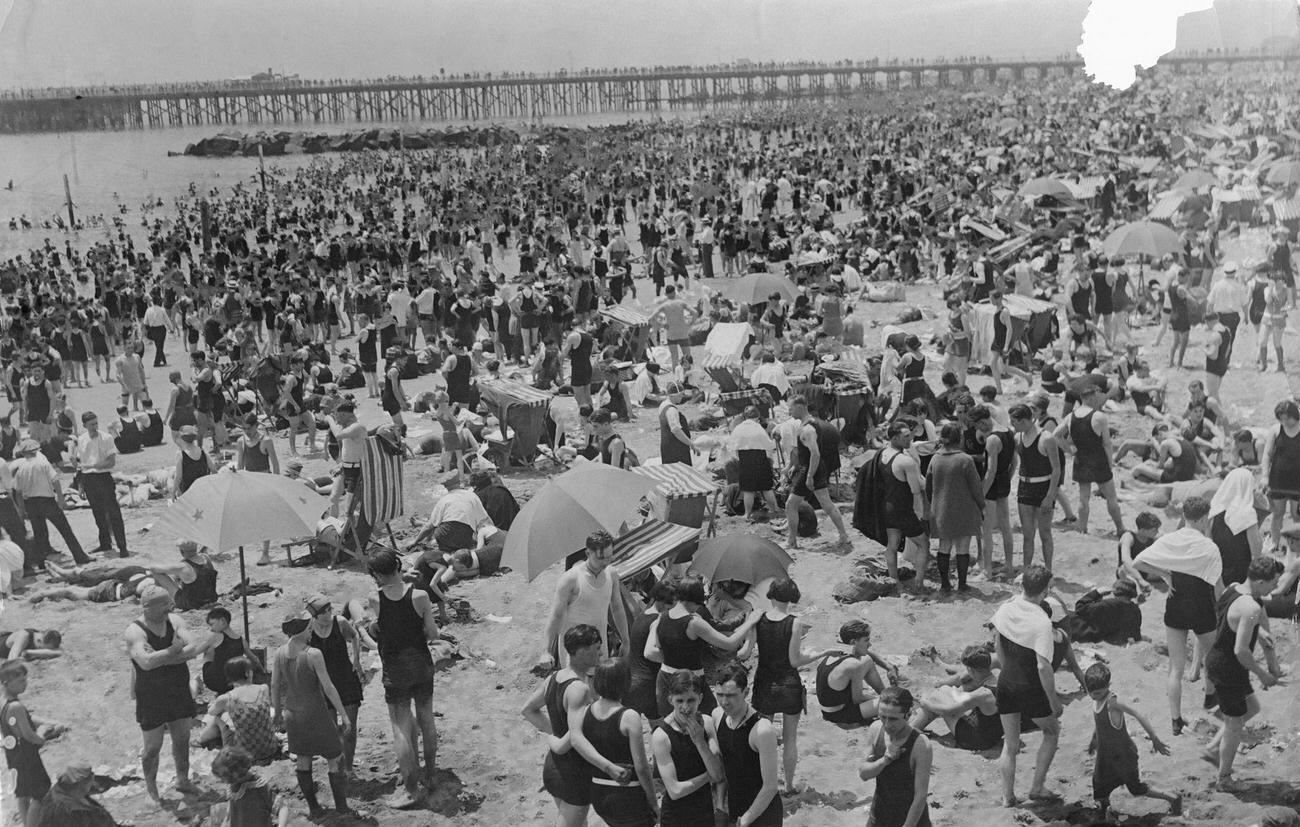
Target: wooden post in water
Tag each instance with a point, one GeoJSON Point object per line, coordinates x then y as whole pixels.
{"type": "Point", "coordinates": [67, 192]}
{"type": "Point", "coordinates": [261, 166]}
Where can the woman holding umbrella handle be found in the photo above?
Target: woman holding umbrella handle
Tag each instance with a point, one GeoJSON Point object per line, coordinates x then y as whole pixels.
{"type": "Point", "coordinates": [678, 638]}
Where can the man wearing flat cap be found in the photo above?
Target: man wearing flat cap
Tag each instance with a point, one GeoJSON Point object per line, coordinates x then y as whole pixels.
{"type": "Point", "coordinates": [38, 496]}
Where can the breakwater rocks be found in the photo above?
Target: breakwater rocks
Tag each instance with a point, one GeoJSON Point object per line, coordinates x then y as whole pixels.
{"type": "Point", "coordinates": [231, 144]}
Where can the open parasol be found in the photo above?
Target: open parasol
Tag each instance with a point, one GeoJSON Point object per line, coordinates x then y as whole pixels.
{"type": "Point", "coordinates": [1195, 179]}
{"type": "Point", "coordinates": [744, 557]}
{"type": "Point", "coordinates": [557, 520]}
{"type": "Point", "coordinates": [1038, 187]}
{"type": "Point", "coordinates": [1145, 238]}
{"type": "Point", "coordinates": [756, 287]}
{"type": "Point", "coordinates": [232, 509]}
{"type": "Point", "coordinates": [1286, 173]}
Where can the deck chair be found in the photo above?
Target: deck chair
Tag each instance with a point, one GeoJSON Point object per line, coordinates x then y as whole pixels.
{"type": "Point", "coordinates": [728, 378]}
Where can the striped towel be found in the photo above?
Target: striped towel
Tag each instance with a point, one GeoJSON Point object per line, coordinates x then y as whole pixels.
{"type": "Point", "coordinates": [381, 484]}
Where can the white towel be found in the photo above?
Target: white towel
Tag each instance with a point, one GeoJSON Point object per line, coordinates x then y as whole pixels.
{"type": "Point", "coordinates": [1186, 551]}
{"type": "Point", "coordinates": [1235, 500]}
{"type": "Point", "coordinates": [1025, 624]}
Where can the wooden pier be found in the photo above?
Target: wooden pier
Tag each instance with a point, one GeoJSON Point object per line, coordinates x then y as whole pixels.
{"type": "Point", "coordinates": [521, 97]}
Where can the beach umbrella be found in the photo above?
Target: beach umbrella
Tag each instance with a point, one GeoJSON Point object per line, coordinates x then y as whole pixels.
{"type": "Point", "coordinates": [232, 509]}
{"type": "Point", "coordinates": [756, 287]}
{"type": "Point", "coordinates": [1195, 179]}
{"type": "Point", "coordinates": [1038, 187]}
{"type": "Point", "coordinates": [748, 558]}
{"type": "Point", "coordinates": [557, 520]}
{"type": "Point", "coordinates": [1008, 124]}
{"type": "Point", "coordinates": [1285, 173]}
{"type": "Point", "coordinates": [1145, 238]}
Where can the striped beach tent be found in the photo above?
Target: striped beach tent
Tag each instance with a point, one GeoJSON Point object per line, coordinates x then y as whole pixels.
{"type": "Point", "coordinates": [522, 411]}
{"type": "Point", "coordinates": [682, 495]}
{"type": "Point", "coordinates": [649, 543]}
{"type": "Point", "coordinates": [381, 484]}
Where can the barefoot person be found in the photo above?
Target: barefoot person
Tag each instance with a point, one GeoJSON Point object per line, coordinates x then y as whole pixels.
{"type": "Point", "coordinates": [159, 647]}
{"type": "Point", "coordinates": [1087, 430]}
{"type": "Point", "coordinates": [586, 594]}
{"type": "Point", "coordinates": [899, 758]}
{"type": "Point", "coordinates": [1189, 561]}
{"type": "Point", "coordinates": [255, 451]}
{"type": "Point", "coordinates": [1027, 685]}
{"type": "Point", "coordinates": [1040, 468]}
{"type": "Point", "coordinates": [967, 702]}
{"type": "Point", "coordinates": [1116, 764]}
{"type": "Point", "coordinates": [815, 460]}
{"type": "Point", "coordinates": [848, 683]}
{"type": "Point", "coordinates": [403, 631]}
{"type": "Point", "coordinates": [1231, 660]}
{"type": "Point", "coordinates": [906, 507]}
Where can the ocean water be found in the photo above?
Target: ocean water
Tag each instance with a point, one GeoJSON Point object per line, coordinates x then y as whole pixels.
{"type": "Point", "coordinates": [109, 171]}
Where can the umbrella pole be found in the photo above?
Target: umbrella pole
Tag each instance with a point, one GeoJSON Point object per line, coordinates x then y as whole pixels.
{"type": "Point", "coordinates": [243, 590]}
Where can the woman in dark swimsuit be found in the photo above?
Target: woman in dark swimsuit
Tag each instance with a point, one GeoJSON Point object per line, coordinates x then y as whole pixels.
{"type": "Point", "coordinates": [777, 685]}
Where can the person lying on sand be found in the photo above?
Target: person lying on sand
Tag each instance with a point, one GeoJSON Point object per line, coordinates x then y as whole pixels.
{"type": "Point", "coordinates": [192, 581]}
{"type": "Point", "coordinates": [30, 644]}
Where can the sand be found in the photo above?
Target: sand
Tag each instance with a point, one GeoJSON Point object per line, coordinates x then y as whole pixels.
{"type": "Point", "coordinates": [491, 759]}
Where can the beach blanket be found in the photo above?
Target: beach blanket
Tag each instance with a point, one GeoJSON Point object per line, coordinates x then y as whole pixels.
{"type": "Point", "coordinates": [381, 484]}
{"type": "Point", "coordinates": [1186, 551]}
{"type": "Point", "coordinates": [1025, 624]}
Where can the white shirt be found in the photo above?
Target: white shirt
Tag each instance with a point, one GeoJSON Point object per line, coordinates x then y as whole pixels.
{"type": "Point", "coordinates": [424, 301]}
{"type": "Point", "coordinates": [459, 506]}
{"type": "Point", "coordinates": [400, 301]}
{"type": "Point", "coordinates": [155, 316]}
{"type": "Point", "coordinates": [771, 374]}
{"type": "Point", "coordinates": [1226, 296]}
{"type": "Point", "coordinates": [92, 450]}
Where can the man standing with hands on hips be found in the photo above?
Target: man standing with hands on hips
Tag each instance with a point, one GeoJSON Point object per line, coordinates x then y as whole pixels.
{"type": "Point", "coordinates": [96, 457]}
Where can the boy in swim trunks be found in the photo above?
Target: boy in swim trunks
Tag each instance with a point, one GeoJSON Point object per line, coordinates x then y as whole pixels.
{"type": "Point", "coordinates": [849, 683]}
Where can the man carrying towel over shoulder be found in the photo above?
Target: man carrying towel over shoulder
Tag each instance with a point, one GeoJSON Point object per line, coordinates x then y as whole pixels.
{"type": "Point", "coordinates": [1027, 684]}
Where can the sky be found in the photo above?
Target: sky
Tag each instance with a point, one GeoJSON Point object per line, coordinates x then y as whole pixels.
{"type": "Point", "coordinates": [74, 42]}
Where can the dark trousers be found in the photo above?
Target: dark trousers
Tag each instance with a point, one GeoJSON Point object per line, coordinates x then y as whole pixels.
{"type": "Point", "coordinates": [43, 510]}
{"type": "Point", "coordinates": [102, 497]}
{"type": "Point", "coordinates": [157, 335]}
{"type": "Point", "coordinates": [14, 525]}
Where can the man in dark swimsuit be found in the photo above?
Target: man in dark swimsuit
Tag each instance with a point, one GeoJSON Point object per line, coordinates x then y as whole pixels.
{"type": "Point", "coordinates": [850, 705]}
{"type": "Point", "coordinates": [1040, 468]}
{"type": "Point", "coordinates": [159, 647]}
{"type": "Point", "coordinates": [748, 748]}
{"type": "Point", "coordinates": [906, 507]}
{"type": "Point", "coordinates": [403, 631]}
{"type": "Point", "coordinates": [897, 757]}
{"type": "Point", "coordinates": [1230, 661]}
{"type": "Point", "coordinates": [1027, 684]}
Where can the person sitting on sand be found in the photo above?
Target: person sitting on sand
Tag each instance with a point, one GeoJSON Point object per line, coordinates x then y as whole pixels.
{"type": "Point", "coordinates": [849, 683]}
{"type": "Point", "coordinates": [967, 703]}
{"type": "Point", "coordinates": [30, 644]}
{"type": "Point", "coordinates": [1175, 460]}
{"type": "Point", "coordinates": [241, 717]}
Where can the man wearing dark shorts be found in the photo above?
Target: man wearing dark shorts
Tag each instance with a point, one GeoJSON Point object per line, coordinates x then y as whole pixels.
{"type": "Point", "coordinates": [1027, 686]}
{"type": "Point", "coordinates": [999, 468]}
{"type": "Point", "coordinates": [95, 585]}
{"type": "Point", "coordinates": [1241, 618]}
{"type": "Point", "coordinates": [351, 436]}
{"type": "Point", "coordinates": [1040, 469]}
{"type": "Point", "coordinates": [403, 631]}
{"type": "Point", "coordinates": [159, 647]}
{"type": "Point", "coordinates": [811, 475]}
{"type": "Point", "coordinates": [905, 503]}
